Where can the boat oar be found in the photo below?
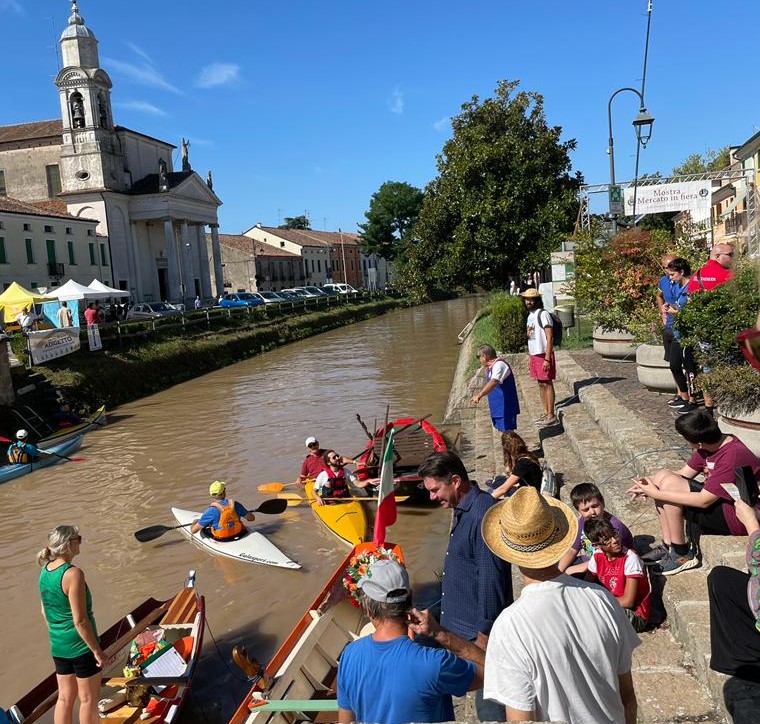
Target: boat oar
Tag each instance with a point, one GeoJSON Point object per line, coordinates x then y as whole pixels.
{"type": "Point", "coordinates": [364, 427]}
{"type": "Point", "coordinates": [273, 487]}
{"type": "Point", "coordinates": [268, 507]}
{"type": "Point", "coordinates": [49, 452]}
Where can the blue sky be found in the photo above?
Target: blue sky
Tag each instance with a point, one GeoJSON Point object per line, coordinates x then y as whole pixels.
{"type": "Point", "coordinates": [308, 106]}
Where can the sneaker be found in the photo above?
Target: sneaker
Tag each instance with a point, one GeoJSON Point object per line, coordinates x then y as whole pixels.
{"type": "Point", "coordinates": [685, 409]}
{"type": "Point", "coordinates": [655, 554]}
{"type": "Point", "coordinates": [677, 402]}
{"type": "Point", "coordinates": [548, 421]}
{"type": "Point", "coordinates": [673, 563]}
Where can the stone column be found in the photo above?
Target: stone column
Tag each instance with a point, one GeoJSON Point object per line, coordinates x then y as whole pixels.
{"type": "Point", "coordinates": [135, 268]}
{"type": "Point", "coordinates": [216, 252]}
{"type": "Point", "coordinates": [205, 274]}
{"type": "Point", "coordinates": [170, 242]}
{"type": "Point", "coordinates": [186, 264]}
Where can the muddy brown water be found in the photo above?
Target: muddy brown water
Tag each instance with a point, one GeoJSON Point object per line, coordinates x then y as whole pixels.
{"type": "Point", "coordinates": [245, 424]}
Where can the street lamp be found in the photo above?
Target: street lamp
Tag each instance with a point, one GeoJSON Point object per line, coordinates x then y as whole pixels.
{"type": "Point", "coordinates": [642, 125]}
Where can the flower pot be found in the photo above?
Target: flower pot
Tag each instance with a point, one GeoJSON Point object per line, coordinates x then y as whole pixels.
{"type": "Point", "coordinates": [615, 343]}
{"type": "Point", "coordinates": [745, 425]}
{"type": "Point", "coordinates": [652, 369]}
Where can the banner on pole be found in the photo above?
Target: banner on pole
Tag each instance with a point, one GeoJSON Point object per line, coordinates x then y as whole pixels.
{"type": "Point", "coordinates": [616, 200]}
{"type": "Point", "coordinates": [686, 196]}
{"type": "Point", "coordinates": [51, 343]}
{"type": "Point", "coordinates": [93, 337]}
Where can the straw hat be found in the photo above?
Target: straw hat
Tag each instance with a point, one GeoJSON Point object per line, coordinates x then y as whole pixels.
{"type": "Point", "coordinates": [529, 529]}
{"type": "Point", "coordinates": [530, 293]}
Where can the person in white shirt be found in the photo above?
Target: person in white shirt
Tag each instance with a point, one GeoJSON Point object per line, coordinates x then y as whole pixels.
{"type": "Point", "coordinates": [500, 389]}
{"type": "Point", "coordinates": [562, 651]}
{"type": "Point", "coordinates": [540, 331]}
{"type": "Point", "coordinates": [65, 318]}
{"type": "Point", "coordinates": [26, 320]}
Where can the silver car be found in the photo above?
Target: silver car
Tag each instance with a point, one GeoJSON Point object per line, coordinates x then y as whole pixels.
{"type": "Point", "coordinates": [152, 310]}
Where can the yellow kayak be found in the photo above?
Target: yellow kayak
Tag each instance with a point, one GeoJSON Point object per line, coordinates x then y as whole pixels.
{"type": "Point", "coordinates": [347, 520]}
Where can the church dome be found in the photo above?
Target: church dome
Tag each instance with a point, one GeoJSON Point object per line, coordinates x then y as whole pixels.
{"type": "Point", "coordinates": [76, 27]}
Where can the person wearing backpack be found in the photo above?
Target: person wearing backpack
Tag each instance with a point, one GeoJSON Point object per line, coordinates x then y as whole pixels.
{"type": "Point", "coordinates": [541, 339]}
{"type": "Point", "coordinates": [223, 516]}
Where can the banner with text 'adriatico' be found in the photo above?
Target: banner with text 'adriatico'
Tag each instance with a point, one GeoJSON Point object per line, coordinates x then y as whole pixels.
{"type": "Point", "coordinates": [686, 196]}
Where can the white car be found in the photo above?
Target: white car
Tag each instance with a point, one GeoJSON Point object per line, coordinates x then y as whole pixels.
{"type": "Point", "coordinates": [269, 297]}
{"type": "Point", "coordinates": [341, 288]}
{"type": "Point", "coordinates": [152, 310]}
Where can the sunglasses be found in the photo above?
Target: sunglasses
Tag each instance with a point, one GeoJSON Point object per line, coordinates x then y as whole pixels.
{"type": "Point", "coordinates": [726, 253]}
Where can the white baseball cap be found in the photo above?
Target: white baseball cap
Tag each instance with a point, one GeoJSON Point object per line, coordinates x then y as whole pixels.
{"type": "Point", "coordinates": [310, 441]}
{"type": "Point", "coordinates": [22, 435]}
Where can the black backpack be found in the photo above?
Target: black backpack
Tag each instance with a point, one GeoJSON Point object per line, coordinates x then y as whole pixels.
{"type": "Point", "coordinates": [558, 328]}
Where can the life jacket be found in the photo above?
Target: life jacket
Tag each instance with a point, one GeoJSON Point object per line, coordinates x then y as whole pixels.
{"type": "Point", "coordinates": [229, 524]}
{"type": "Point", "coordinates": [17, 453]}
{"type": "Point", "coordinates": [338, 484]}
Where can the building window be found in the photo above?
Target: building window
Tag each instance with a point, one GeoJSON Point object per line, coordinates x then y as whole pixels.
{"type": "Point", "coordinates": [3, 191]}
{"type": "Point", "coordinates": [68, 230]}
{"type": "Point", "coordinates": [29, 251]}
{"type": "Point", "coordinates": [90, 232]}
{"type": "Point", "coordinates": [49, 229]}
{"type": "Point", "coordinates": [27, 227]}
{"type": "Point", "coordinates": [72, 258]}
{"type": "Point", "coordinates": [93, 258]}
{"type": "Point", "coordinates": [319, 265]}
{"type": "Point", "coordinates": [53, 173]}
{"type": "Point", "coordinates": [50, 244]}
{"type": "Point", "coordinates": [3, 258]}
{"type": "Point", "coordinates": [103, 256]}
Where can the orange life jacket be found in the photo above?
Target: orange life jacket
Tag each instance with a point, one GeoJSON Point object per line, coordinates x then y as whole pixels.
{"type": "Point", "coordinates": [229, 524]}
{"type": "Point", "coordinates": [17, 453]}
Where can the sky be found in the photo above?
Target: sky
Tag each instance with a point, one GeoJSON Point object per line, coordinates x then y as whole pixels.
{"type": "Point", "coordinates": [306, 107]}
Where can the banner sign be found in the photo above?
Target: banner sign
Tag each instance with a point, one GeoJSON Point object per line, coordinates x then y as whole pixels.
{"type": "Point", "coordinates": [52, 343]}
{"type": "Point", "coordinates": [616, 200]}
{"type": "Point", "coordinates": [686, 196]}
{"type": "Point", "coordinates": [93, 337]}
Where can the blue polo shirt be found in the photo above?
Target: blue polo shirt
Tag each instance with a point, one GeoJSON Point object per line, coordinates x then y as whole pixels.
{"type": "Point", "coordinates": [477, 585]}
{"type": "Point", "coordinates": [211, 514]}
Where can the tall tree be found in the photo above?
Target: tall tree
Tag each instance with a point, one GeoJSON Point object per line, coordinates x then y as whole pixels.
{"type": "Point", "coordinates": [710, 160]}
{"type": "Point", "coordinates": [296, 222]}
{"type": "Point", "coordinates": [503, 190]}
{"type": "Point", "coordinates": [393, 210]}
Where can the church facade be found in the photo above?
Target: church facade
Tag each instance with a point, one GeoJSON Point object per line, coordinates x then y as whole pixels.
{"type": "Point", "coordinates": [152, 219]}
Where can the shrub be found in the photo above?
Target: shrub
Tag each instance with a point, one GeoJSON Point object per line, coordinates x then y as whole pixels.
{"type": "Point", "coordinates": [508, 315]}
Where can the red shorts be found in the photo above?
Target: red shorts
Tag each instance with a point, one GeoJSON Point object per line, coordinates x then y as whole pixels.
{"type": "Point", "coordinates": [537, 370]}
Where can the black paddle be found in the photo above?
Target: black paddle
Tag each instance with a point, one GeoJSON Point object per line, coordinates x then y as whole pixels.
{"type": "Point", "coordinates": [268, 507]}
{"type": "Point", "coordinates": [48, 452]}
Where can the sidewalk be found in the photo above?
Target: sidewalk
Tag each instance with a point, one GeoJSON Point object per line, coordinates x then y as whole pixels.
{"type": "Point", "coordinates": [612, 429]}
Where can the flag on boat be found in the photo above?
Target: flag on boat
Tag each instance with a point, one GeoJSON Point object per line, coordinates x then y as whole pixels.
{"type": "Point", "coordinates": [386, 498]}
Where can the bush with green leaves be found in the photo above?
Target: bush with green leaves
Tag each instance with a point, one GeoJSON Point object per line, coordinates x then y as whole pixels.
{"type": "Point", "coordinates": [508, 315]}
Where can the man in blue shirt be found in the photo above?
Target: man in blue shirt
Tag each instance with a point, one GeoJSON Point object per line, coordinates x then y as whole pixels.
{"type": "Point", "coordinates": [477, 585]}
{"type": "Point", "coordinates": [22, 451]}
{"type": "Point", "coordinates": [387, 678]}
{"type": "Point", "coordinates": [223, 516]}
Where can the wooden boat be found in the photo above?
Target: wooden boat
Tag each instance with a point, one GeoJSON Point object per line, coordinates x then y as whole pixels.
{"type": "Point", "coordinates": [97, 419]}
{"type": "Point", "coordinates": [182, 619]}
{"type": "Point", "coordinates": [58, 454]}
{"type": "Point", "coordinates": [299, 683]}
{"type": "Point", "coordinates": [415, 439]}
{"type": "Point", "coordinates": [253, 547]}
{"type": "Point", "coordinates": [345, 519]}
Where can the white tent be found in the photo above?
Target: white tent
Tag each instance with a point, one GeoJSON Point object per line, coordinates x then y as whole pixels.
{"type": "Point", "coordinates": [75, 290]}
{"type": "Point", "coordinates": [95, 284]}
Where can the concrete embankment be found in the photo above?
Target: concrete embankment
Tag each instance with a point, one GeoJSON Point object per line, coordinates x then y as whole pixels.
{"type": "Point", "coordinates": [610, 430]}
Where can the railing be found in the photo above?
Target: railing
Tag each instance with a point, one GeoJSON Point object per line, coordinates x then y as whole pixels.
{"type": "Point", "coordinates": [736, 223]}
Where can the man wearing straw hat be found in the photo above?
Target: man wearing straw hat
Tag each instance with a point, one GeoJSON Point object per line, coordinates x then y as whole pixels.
{"type": "Point", "coordinates": [563, 650]}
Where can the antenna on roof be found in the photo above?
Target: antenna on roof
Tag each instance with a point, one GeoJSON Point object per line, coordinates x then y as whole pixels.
{"type": "Point", "coordinates": [55, 44]}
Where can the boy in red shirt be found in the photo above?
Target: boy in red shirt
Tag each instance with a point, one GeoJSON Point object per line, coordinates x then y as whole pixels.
{"type": "Point", "coordinates": [620, 571]}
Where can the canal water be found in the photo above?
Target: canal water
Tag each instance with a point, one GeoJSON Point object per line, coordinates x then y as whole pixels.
{"type": "Point", "coordinates": [245, 424]}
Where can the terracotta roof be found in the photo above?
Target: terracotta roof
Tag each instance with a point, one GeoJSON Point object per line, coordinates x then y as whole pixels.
{"type": "Point", "coordinates": [50, 208]}
{"type": "Point", "coordinates": [245, 243]}
{"type": "Point", "coordinates": [31, 130]}
{"type": "Point", "coordinates": [149, 184]}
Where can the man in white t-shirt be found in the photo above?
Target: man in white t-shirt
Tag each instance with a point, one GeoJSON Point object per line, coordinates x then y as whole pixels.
{"type": "Point", "coordinates": [540, 331]}
{"type": "Point", "coordinates": [500, 389]}
{"type": "Point", "coordinates": [562, 651]}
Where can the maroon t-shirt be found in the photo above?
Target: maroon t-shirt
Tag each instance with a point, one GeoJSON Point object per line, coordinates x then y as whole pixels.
{"type": "Point", "coordinates": [719, 467]}
{"type": "Point", "coordinates": [313, 465]}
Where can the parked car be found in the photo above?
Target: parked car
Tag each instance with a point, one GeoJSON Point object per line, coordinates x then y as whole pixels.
{"type": "Point", "coordinates": [298, 292]}
{"type": "Point", "coordinates": [342, 288]}
{"type": "Point", "coordinates": [152, 310]}
{"type": "Point", "coordinates": [287, 295]}
{"type": "Point", "coordinates": [241, 299]}
{"type": "Point", "coordinates": [269, 297]}
{"type": "Point", "coordinates": [316, 291]}
{"type": "Point", "coordinates": [304, 291]}
{"type": "Point", "coordinates": [328, 290]}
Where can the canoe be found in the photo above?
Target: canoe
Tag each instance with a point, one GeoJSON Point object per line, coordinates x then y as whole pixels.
{"type": "Point", "coordinates": [411, 446]}
{"type": "Point", "coordinates": [253, 547]}
{"type": "Point", "coordinates": [97, 419]}
{"type": "Point", "coordinates": [9, 472]}
{"type": "Point", "coordinates": [182, 619]}
{"type": "Point", "coordinates": [300, 680]}
{"type": "Point", "coordinates": [346, 520]}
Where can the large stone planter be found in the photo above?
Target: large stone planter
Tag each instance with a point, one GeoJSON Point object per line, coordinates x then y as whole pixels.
{"type": "Point", "coordinates": [652, 370]}
{"type": "Point", "coordinates": [745, 425]}
{"type": "Point", "coordinates": [617, 343]}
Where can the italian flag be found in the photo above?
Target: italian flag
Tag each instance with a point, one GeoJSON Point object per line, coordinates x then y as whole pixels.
{"type": "Point", "coordinates": [386, 499]}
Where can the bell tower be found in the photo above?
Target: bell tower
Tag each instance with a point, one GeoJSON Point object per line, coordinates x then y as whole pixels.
{"type": "Point", "coordinates": [91, 156]}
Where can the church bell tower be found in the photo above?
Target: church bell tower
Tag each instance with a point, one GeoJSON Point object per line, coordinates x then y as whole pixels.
{"type": "Point", "coordinates": [91, 157]}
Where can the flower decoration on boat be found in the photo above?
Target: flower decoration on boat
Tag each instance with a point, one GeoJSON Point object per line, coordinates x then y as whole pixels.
{"type": "Point", "coordinates": [358, 565]}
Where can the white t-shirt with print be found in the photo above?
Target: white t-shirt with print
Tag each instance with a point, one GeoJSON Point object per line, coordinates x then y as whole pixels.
{"type": "Point", "coordinates": [537, 320]}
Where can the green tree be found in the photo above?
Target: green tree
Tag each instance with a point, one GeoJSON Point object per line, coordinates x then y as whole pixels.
{"type": "Point", "coordinates": [296, 222]}
{"type": "Point", "coordinates": [393, 210]}
{"type": "Point", "coordinates": [710, 160]}
{"type": "Point", "coordinates": [503, 191]}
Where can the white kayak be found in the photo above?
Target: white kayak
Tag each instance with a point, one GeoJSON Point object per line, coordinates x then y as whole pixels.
{"type": "Point", "coordinates": [253, 547]}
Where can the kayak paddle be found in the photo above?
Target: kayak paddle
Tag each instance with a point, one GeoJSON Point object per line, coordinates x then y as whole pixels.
{"type": "Point", "coordinates": [268, 507]}
{"type": "Point", "coordinates": [273, 487]}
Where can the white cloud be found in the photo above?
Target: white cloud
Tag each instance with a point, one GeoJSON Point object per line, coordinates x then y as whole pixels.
{"type": "Point", "coordinates": [137, 50]}
{"type": "Point", "coordinates": [141, 107]}
{"type": "Point", "coordinates": [442, 124]}
{"type": "Point", "coordinates": [397, 102]}
{"type": "Point", "coordinates": [142, 74]}
{"type": "Point", "coordinates": [217, 74]}
{"type": "Point", "coordinates": [13, 5]}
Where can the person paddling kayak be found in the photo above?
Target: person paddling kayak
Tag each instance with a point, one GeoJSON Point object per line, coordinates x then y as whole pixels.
{"type": "Point", "coordinates": [23, 452]}
{"type": "Point", "coordinates": [223, 516]}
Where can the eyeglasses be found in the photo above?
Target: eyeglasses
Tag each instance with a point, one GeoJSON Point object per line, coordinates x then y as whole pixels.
{"type": "Point", "coordinates": [334, 458]}
{"type": "Point", "coordinates": [725, 253]}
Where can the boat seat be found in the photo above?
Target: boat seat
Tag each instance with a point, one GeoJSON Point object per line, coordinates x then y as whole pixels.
{"type": "Point", "coordinates": [182, 610]}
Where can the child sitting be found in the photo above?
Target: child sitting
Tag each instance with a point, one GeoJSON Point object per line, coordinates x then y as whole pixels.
{"type": "Point", "coordinates": [619, 570]}
{"type": "Point", "coordinates": [520, 465]}
{"type": "Point", "coordinates": [589, 502]}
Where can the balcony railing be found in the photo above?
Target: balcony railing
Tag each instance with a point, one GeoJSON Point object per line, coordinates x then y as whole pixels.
{"type": "Point", "coordinates": [55, 270]}
{"type": "Point", "coordinates": [736, 222]}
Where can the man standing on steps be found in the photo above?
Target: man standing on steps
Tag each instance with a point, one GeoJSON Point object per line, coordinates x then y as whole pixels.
{"type": "Point", "coordinates": [540, 330]}
{"type": "Point", "coordinates": [500, 389]}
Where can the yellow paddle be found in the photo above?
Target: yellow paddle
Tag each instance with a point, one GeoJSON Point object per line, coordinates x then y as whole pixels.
{"type": "Point", "coordinates": [273, 487]}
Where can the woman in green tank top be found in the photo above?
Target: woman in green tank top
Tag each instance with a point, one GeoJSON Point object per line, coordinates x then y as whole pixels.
{"type": "Point", "coordinates": [67, 610]}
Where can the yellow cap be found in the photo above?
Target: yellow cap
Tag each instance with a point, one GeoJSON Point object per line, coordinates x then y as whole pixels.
{"type": "Point", "coordinates": [217, 487]}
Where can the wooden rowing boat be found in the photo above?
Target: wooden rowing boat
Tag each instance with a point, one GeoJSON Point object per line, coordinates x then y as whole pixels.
{"type": "Point", "coordinates": [97, 419]}
{"type": "Point", "coordinates": [182, 619]}
{"type": "Point", "coordinates": [299, 683]}
{"type": "Point", "coordinates": [411, 446]}
{"type": "Point", "coordinates": [58, 454]}
{"type": "Point", "coordinates": [347, 520]}
{"type": "Point", "coordinates": [253, 547]}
